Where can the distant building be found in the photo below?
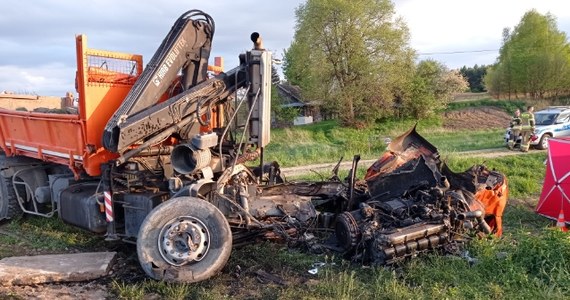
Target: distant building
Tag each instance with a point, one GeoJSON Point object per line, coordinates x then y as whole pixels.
{"type": "Point", "coordinates": [50, 104]}
{"type": "Point", "coordinates": [309, 111]}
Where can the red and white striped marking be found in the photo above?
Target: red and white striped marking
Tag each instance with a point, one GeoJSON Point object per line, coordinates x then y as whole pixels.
{"type": "Point", "coordinates": [108, 207]}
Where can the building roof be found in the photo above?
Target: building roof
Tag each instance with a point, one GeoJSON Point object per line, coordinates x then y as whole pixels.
{"type": "Point", "coordinates": [292, 96]}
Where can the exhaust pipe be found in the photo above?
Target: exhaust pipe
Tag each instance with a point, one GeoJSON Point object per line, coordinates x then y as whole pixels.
{"type": "Point", "coordinates": [476, 215]}
{"type": "Point", "coordinates": [257, 42]}
{"type": "Point", "coordinates": [470, 215]}
{"type": "Point", "coordinates": [187, 159]}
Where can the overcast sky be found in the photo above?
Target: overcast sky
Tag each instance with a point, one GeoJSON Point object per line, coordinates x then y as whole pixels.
{"type": "Point", "coordinates": [37, 45]}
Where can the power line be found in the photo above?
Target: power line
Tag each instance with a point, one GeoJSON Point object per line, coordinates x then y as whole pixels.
{"type": "Point", "coordinates": [516, 49]}
{"type": "Point", "coordinates": [458, 52]}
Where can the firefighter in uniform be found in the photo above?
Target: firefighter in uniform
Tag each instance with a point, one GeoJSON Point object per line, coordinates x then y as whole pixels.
{"type": "Point", "coordinates": [516, 126]}
{"type": "Point", "coordinates": [527, 119]}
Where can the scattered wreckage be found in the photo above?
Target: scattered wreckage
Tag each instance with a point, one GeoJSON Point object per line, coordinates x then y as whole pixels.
{"type": "Point", "coordinates": [408, 203]}
{"type": "Point", "coordinates": [156, 157]}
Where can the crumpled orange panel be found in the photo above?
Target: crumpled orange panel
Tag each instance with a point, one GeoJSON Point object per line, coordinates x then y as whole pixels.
{"type": "Point", "coordinates": [390, 161]}
{"type": "Point", "coordinates": [495, 200]}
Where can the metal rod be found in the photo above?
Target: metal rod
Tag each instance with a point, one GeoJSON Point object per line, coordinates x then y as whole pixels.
{"type": "Point", "coordinates": [351, 181]}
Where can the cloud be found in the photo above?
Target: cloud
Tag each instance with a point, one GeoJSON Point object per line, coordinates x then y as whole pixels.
{"type": "Point", "coordinates": [39, 80]}
{"type": "Point", "coordinates": [455, 26]}
{"type": "Point", "coordinates": [37, 37]}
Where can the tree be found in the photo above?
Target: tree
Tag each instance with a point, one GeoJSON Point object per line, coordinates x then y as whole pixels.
{"type": "Point", "coordinates": [275, 78]}
{"type": "Point", "coordinates": [353, 56]}
{"type": "Point", "coordinates": [534, 59]}
{"type": "Point", "coordinates": [474, 76]}
{"type": "Point", "coordinates": [433, 86]}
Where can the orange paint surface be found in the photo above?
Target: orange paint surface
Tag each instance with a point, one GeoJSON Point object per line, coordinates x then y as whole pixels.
{"type": "Point", "coordinates": [495, 201]}
{"type": "Point", "coordinates": [103, 80]}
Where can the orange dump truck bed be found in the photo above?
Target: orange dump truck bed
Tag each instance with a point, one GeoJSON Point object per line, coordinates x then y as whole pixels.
{"type": "Point", "coordinates": [103, 80]}
{"type": "Point", "coordinates": [54, 137]}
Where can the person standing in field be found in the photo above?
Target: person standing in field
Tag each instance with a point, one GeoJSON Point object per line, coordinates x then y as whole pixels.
{"type": "Point", "coordinates": [516, 126]}
{"type": "Point", "coordinates": [527, 119]}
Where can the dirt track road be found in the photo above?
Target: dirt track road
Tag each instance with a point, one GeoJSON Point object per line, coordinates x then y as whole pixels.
{"type": "Point", "coordinates": [485, 153]}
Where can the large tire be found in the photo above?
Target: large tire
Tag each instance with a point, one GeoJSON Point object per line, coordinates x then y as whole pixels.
{"type": "Point", "coordinates": [9, 207]}
{"type": "Point", "coordinates": [164, 234]}
{"type": "Point", "coordinates": [543, 143]}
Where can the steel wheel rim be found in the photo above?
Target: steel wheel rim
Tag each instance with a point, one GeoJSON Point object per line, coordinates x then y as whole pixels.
{"type": "Point", "coordinates": [183, 240]}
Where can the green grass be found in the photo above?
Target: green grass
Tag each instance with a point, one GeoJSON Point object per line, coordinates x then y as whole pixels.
{"type": "Point", "coordinates": [520, 265]}
{"type": "Point", "coordinates": [530, 261]}
{"type": "Point", "coordinates": [525, 173]}
{"type": "Point", "coordinates": [508, 105]}
{"type": "Point", "coordinates": [126, 291]}
{"type": "Point", "coordinates": [457, 141]}
{"type": "Point", "coordinates": [154, 290]}
{"type": "Point", "coordinates": [326, 142]}
{"type": "Point", "coordinates": [48, 235]}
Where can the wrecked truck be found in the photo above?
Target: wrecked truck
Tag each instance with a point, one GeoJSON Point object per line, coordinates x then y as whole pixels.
{"type": "Point", "coordinates": [408, 203]}
{"type": "Point", "coordinates": [161, 157]}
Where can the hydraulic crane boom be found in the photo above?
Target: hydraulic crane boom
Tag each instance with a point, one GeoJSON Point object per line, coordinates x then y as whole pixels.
{"type": "Point", "coordinates": [158, 122]}
{"type": "Point", "coordinates": [186, 48]}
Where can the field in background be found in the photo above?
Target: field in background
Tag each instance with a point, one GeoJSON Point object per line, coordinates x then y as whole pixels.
{"type": "Point", "coordinates": [470, 96]}
{"type": "Point", "coordinates": [326, 141]}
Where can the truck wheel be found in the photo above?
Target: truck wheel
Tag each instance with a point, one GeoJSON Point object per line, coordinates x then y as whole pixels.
{"type": "Point", "coordinates": [9, 207]}
{"type": "Point", "coordinates": [184, 239]}
{"type": "Point", "coordinates": [543, 143]}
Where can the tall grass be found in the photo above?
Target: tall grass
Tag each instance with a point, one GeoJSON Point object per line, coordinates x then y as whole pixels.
{"type": "Point", "coordinates": [463, 140]}
{"type": "Point", "coordinates": [508, 105]}
{"type": "Point", "coordinates": [326, 141]}
{"type": "Point", "coordinates": [530, 261]}
{"type": "Point", "coordinates": [50, 235]}
{"type": "Point", "coordinates": [518, 266]}
{"type": "Point", "coordinates": [521, 265]}
{"type": "Point", "coordinates": [525, 173]}
{"type": "Point", "coordinates": [154, 290]}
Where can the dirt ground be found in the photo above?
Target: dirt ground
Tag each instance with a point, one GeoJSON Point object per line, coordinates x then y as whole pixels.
{"type": "Point", "coordinates": [476, 118]}
{"type": "Point", "coordinates": [88, 291]}
{"type": "Point", "coordinates": [126, 268]}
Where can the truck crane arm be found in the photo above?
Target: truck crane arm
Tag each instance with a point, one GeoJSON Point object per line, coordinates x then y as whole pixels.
{"type": "Point", "coordinates": [185, 49]}
{"type": "Point", "coordinates": [161, 120]}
